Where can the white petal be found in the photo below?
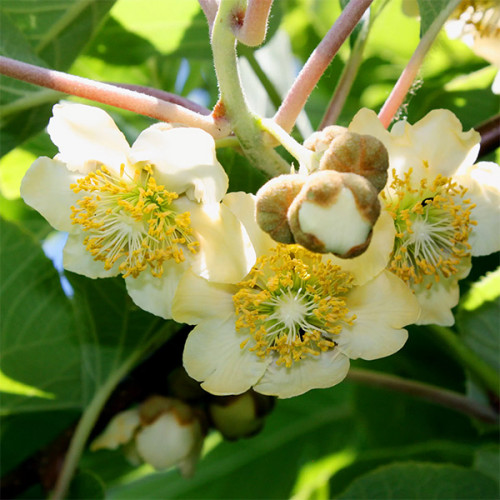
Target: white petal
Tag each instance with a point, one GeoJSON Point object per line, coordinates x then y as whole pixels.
{"type": "Point", "coordinates": [366, 122]}
{"type": "Point", "coordinates": [78, 260]}
{"type": "Point", "coordinates": [87, 134]}
{"type": "Point", "coordinates": [437, 302]}
{"type": "Point", "coordinates": [243, 206]}
{"type": "Point", "coordinates": [197, 299]}
{"type": "Point", "coordinates": [213, 355]}
{"type": "Point", "coordinates": [325, 370]}
{"type": "Point", "coordinates": [119, 431]}
{"type": "Point", "coordinates": [376, 257]}
{"type": "Point", "coordinates": [45, 187]}
{"type": "Point", "coordinates": [382, 306]}
{"type": "Point", "coordinates": [225, 254]}
{"type": "Point", "coordinates": [483, 188]}
{"type": "Point", "coordinates": [155, 295]}
{"type": "Point", "coordinates": [184, 161]}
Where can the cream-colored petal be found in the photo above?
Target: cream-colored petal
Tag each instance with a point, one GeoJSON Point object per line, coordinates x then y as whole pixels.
{"type": "Point", "coordinates": [325, 370]}
{"type": "Point", "coordinates": [382, 306]}
{"type": "Point", "coordinates": [243, 206]}
{"type": "Point", "coordinates": [213, 355]}
{"type": "Point", "coordinates": [483, 188]}
{"type": "Point", "coordinates": [225, 254]}
{"type": "Point", "coordinates": [78, 260]}
{"type": "Point", "coordinates": [85, 135]}
{"type": "Point", "coordinates": [197, 299]}
{"type": "Point", "coordinates": [437, 302]}
{"type": "Point", "coordinates": [376, 257]}
{"type": "Point", "coordinates": [46, 188]}
{"type": "Point", "coordinates": [366, 122]}
{"type": "Point", "coordinates": [155, 295]}
{"type": "Point", "coordinates": [119, 431]}
{"type": "Point", "coordinates": [184, 161]}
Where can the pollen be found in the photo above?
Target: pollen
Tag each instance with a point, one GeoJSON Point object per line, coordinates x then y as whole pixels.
{"type": "Point", "coordinates": [131, 221]}
{"type": "Point", "coordinates": [292, 305]}
{"type": "Point", "coordinates": [433, 225]}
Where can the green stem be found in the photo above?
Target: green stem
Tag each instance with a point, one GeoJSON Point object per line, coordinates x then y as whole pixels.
{"type": "Point", "coordinates": [480, 370]}
{"type": "Point", "coordinates": [244, 123]}
{"type": "Point", "coordinates": [93, 410]}
{"type": "Point", "coordinates": [437, 395]}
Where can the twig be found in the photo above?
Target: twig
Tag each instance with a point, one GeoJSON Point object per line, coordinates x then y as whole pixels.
{"type": "Point", "coordinates": [112, 95]}
{"type": "Point", "coordinates": [490, 135]}
{"type": "Point", "coordinates": [253, 30]}
{"type": "Point", "coordinates": [209, 8]}
{"type": "Point", "coordinates": [437, 395]}
{"type": "Point", "coordinates": [318, 62]}
{"type": "Point", "coordinates": [405, 81]}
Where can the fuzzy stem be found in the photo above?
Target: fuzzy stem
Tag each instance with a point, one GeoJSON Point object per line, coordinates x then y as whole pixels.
{"type": "Point", "coordinates": [253, 30]}
{"type": "Point", "coordinates": [479, 369]}
{"type": "Point", "coordinates": [209, 8]}
{"type": "Point", "coordinates": [112, 95]}
{"type": "Point", "coordinates": [318, 62]}
{"type": "Point", "coordinates": [437, 395]}
{"type": "Point", "coordinates": [232, 102]}
{"type": "Point", "coordinates": [408, 75]}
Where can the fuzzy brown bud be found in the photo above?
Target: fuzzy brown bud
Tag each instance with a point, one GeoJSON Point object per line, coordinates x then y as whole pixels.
{"type": "Point", "coordinates": [320, 141]}
{"type": "Point", "coordinates": [358, 154]}
{"type": "Point", "coordinates": [334, 213]}
{"type": "Point", "coordinates": [273, 200]}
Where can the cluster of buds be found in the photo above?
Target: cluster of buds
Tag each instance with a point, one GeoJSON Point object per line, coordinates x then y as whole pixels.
{"type": "Point", "coordinates": [169, 431]}
{"type": "Point", "coordinates": [332, 209]}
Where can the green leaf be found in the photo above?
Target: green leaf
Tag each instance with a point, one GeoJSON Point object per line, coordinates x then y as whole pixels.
{"type": "Point", "coordinates": [40, 358]}
{"type": "Point", "coordinates": [477, 320]}
{"type": "Point", "coordinates": [85, 485]}
{"type": "Point", "coordinates": [48, 33]}
{"type": "Point", "coordinates": [429, 11]}
{"type": "Point", "coordinates": [421, 480]}
{"type": "Point", "coordinates": [487, 461]}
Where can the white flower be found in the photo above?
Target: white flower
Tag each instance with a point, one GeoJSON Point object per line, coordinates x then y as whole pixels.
{"type": "Point", "coordinates": [147, 212]}
{"type": "Point", "coordinates": [295, 321]}
{"type": "Point", "coordinates": [444, 207]}
{"type": "Point", "coordinates": [162, 432]}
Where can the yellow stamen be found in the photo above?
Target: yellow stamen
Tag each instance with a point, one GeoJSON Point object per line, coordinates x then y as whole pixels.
{"type": "Point", "coordinates": [131, 221]}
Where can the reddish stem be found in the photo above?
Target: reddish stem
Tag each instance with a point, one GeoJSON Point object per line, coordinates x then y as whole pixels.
{"type": "Point", "coordinates": [253, 30]}
{"type": "Point", "coordinates": [110, 94]}
{"type": "Point", "coordinates": [318, 62]}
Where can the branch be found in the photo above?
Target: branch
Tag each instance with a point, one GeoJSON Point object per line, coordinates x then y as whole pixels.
{"type": "Point", "coordinates": [110, 94]}
{"type": "Point", "coordinates": [318, 62]}
{"type": "Point", "coordinates": [209, 8]}
{"type": "Point", "coordinates": [253, 30]}
{"type": "Point", "coordinates": [490, 135]}
{"type": "Point", "coordinates": [437, 395]}
{"type": "Point", "coordinates": [405, 81]}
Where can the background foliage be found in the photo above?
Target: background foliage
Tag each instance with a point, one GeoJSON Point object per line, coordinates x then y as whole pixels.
{"type": "Point", "coordinates": [59, 347]}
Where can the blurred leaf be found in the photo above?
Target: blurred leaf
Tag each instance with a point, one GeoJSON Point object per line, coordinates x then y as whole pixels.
{"type": "Point", "coordinates": [86, 485]}
{"type": "Point", "coordinates": [429, 10]}
{"type": "Point", "coordinates": [487, 461]}
{"type": "Point", "coordinates": [48, 33]}
{"type": "Point", "coordinates": [421, 480]}
{"type": "Point", "coordinates": [40, 348]}
{"type": "Point", "coordinates": [477, 319]}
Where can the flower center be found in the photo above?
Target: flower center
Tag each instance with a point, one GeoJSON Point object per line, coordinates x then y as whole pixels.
{"type": "Point", "coordinates": [432, 228]}
{"type": "Point", "coordinates": [131, 220]}
{"type": "Point", "coordinates": [292, 305]}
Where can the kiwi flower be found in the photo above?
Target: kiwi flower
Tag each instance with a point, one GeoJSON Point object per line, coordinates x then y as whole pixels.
{"type": "Point", "coordinates": [445, 209]}
{"type": "Point", "coordinates": [148, 212]}
{"type": "Point", "coordinates": [294, 322]}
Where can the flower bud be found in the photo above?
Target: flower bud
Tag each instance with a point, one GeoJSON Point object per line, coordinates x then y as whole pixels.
{"type": "Point", "coordinates": [162, 432]}
{"type": "Point", "coordinates": [273, 200]}
{"type": "Point", "coordinates": [320, 141]}
{"type": "Point", "coordinates": [240, 416]}
{"type": "Point", "coordinates": [358, 154]}
{"type": "Point", "coordinates": [334, 213]}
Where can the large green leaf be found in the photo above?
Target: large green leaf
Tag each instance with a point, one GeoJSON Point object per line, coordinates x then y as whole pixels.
{"type": "Point", "coordinates": [48, 33]}
{"type": "Point", "coordinates": [429, 11]}
{"type": "Point", "coordinates": [421, 480]}
{"type": "Point", "coordinates": [40, 358]}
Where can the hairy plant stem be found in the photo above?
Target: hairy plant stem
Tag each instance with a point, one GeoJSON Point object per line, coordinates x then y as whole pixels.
{"type": "Point", "coordinates": [405, 81]}
{"type": "Point", "coordinates": [110, 94]}
{"type": "Point", "coordinates": [232, 102]}
{"type": "Point", "coordinates": [437, 395]}
{"type": "Point", "coordinates": [318, 62]}
{"type": "Point", "coordinates": [253, 30]}
{"type": "Point", "coordinates": [93, 410]}
{"type": "Point", "coordinates": [478, 368]}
